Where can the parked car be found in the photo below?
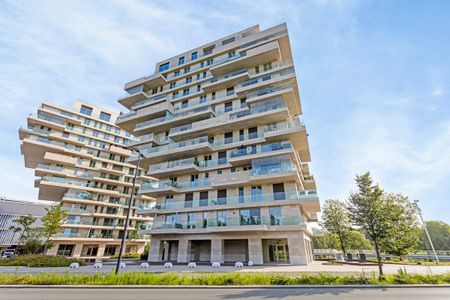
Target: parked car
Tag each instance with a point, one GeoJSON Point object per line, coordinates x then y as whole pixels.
{"type": "Point", "coordinates": [8, 253]}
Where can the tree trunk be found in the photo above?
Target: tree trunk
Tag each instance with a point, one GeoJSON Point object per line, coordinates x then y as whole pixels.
{"type": "Point", "coordinates": [342, 244]}
{"type": "Point", "coordinates": [380, 266]}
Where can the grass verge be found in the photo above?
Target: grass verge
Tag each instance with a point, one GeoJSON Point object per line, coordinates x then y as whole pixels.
{"type": "Point", "coordinates": [219, 279]}
{"type": "Point", "coordinates": [38, 261]}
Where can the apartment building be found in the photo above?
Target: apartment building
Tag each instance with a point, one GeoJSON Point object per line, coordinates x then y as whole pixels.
{"type": "Point", "coordinates": [79, 157]}
{"type": "Point", "coordinates": [219, 127]}
{"type": "Point", "coordinates": [11, 210]}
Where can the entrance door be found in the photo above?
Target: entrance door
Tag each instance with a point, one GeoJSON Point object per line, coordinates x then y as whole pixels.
{"type": "Point", "coordinates": [279, 252]}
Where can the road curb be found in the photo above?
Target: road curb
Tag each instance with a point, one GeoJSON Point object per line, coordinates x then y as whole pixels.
{"type": "Point", "coordinates": [368, 286]}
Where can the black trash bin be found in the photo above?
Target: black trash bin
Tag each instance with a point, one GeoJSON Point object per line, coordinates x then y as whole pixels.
{"type": "Point", "coordinates": [362, 258]}
{"type": "Point", "coordinates": [349, 257]}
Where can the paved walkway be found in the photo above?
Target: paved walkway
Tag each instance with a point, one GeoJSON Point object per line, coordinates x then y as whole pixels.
{"type": "Point", "coordinates": [315, 267]}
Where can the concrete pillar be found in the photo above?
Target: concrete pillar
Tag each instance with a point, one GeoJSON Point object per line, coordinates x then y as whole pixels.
{"type": "Point", "coordinates": [297, 249]}
{"type": "Point", "coordinates": [217, 250]}
{"type": "Point", "coordinates": [184, 251]}
{"type": "Point", "coordinates": [154, 254]}
{"type": "Point", "coordinates": [53, 250]}
{"type": "Point", "coordinates": [255, 252]}
{"type": "Point", "coordinates": [100, 252]}
{"type": "Point", "coordinates": [77, 250]}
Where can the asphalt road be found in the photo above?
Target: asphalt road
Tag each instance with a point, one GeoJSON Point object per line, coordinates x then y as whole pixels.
{"type": "Point", "coordinates": [428, 293]}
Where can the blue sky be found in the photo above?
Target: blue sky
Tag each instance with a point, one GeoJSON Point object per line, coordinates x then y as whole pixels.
{"type": "Point", "coordinates": [374, 77]}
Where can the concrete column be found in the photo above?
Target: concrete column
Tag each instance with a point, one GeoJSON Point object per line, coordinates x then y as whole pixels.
{"type": "Point", "coordinates": [217, 250]}
{"type": "Point", "coordinates": [154, 254]}
{"type": "Point", "coordinates": [184, 251]}
{"type": "Point", "coordinates": [100, 252]}
{"type": "Point", "coordinates": [77, 250]}
{"type": "Point", "coordinates": [255, 252]}
{"type": "Point", "coordinates": [297, 249]}
{"type": "Point", "coordinates": [53, 250]}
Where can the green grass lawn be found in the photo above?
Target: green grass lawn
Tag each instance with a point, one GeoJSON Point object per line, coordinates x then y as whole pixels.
{"type": "Point", "coordinates": [219, 279]}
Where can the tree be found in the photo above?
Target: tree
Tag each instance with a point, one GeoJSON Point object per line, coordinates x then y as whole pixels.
{"type": "Point", "coordinates": [23, 227]}
{"type": "Point", "coordinates": [336, 220]}
{"type": "Point", "coordinates": [440, 236]}
{"type": "Point", "coordinates": [367, 211]}
{"type": "Point", "coordinates": [357, 241]}
{"type": "Point", "coordinates": [51, 223]}
{"type": "Point", "coordinates": [404, 229]}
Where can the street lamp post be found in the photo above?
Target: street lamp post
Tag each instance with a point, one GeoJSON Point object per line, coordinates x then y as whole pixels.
{"type": "Point", "coordinates": [416, 203]}
{"type": "Point", "coordinates": [122, 243]}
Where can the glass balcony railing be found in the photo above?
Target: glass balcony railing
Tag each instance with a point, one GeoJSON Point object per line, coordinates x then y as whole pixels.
{"type": "Point", "coordinates": [272, 169]}
{"type": "Point", "coordinates": [48, 167]}
{"type": "Point", "coordinates": [226, 76]}
{"type": "Point", "coordinates": [232, 222]}
{"type": "Point", "coordinates": [264, 148]}
{"type": "Point", "coordinates": [238, 200]}
{"type": "Point", "coordinates": [126, 116]}
{"type": "Point", "coordinates": [175, 145]}
{"type": "Point", "coordinates": [178, 185]}
{"type": "Point", "coordinates": [148, 101]}
{"type": "Point", "coordinates": [268, 90]}
{"type": "Point", "coordinates": [50, 118]}
{"type": "Point", "coordinates": [170, 117]}
{"type": "Point", "coordinates": [257, 110]}
{"type": "Point", "coordinates": [267, 77]}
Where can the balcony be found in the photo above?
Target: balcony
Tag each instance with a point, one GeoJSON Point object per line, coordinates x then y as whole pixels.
{"type": "Point", "coordinates": [278, 77]}
{"type": "Point", "coordinates": [245, 155]}
{"type": "Point", "coordinates": [226, 80]}
{"type": "Point", "coordinates": [169, 120]}
{"type": "Point", "coordinates": [168, 186]}
{"type": "Point", "coordinates": [249, 58]}
{"type": "Point", "coordinates": [150, 112]}
{"type": "Point", "coordinates": [271, 112]}
{"type": "Point", "coordinates": [150, 101]}
{"type": "Point", "coordinates": [269, 173]}
{"type": "Point", "coordinates": [150, 82]}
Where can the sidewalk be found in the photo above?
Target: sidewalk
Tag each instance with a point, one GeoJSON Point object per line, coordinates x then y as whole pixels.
{"type": "Point", "coordinates": [315, 267]}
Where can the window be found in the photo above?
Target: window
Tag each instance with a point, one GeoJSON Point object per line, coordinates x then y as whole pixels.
{"type": "Point", "coordinates": [86, 122]}
{"type": "Point", "coordinates": [191, 220]}
{"type": "Point", "coordinates": [164, 67]}
{"type": "Point", "coordinates": [187, 70]}
{"type": "Point", "coordinates": [221, 218]}
{"type": "Point", "coordinates": [250, 216]}
{"type": "Point", "coordinates": [188, 79]}
{"type": "Point", "coordinates": [117, 131]}
{"type": "Point", "coordinates": [278, 191]}
{"type": "Point", "coordinates": [257, 193]}
{"type": "Point", "coordinates": [253, 133]}
{"type": "Point", "coordinates": [243, 102]}
{"type": "Point", "coordinates": [222, 158]}
{"type": "Point", "coordinates": [172, 85]}
{"type": "Point", "coordinates": [110, 250]}
{"type": "Point", "coordinates": [275, 215]}
{"type": "Point", "coordinates": [116, 139]}
{"type": "Point", "coordinates": [203, 99]}
{"type": "Point", "coordinates": [209, 62]}
{"type": "Point", "coordinates": [194, 55]}
{"type": "Point", "coordinates": [95, 133]}
{"type": "Point", "coordinates": [198, 76]}
{"type": "Point", "coordinates": [176, 73]}
{"type": "Point", "coordinates": [199, 87]}
{"type": "Point", "coordinates": [213, 96]}
{"type": "Point", "coordinates": [233, 170]}
{"type": "Point", "coordinates": [185, 92]}
{"type": "Point", "coordinates": [227, 41]}
{"type": "Point", "coordinates": [204, 74]}
{"type": "Point", "coordinates": [188, 199]}
{"type": "Point", "coordinates": [228, 138]}
{"type": "Point", "coordinates": [104, 116]}
{"type": "Point", "coordinates": [241, 134]}
{"type": "Point", "coordinates": [180, 60]}
{"type": "Point", "coordinates": [175, 95]}
{"type": "Point", "coordinates": [106, 136]}
{"type": "Point", "coordinates": [228, 106]}
{"type": "Point", "coordinates": [108, 128]}
{"type": "Point", "coordinates": [221, 197]}
{"type": "Point", "coordinates": [241, 194]}
{"type": "Point", "coordinates": [184, 103]}
{"type": "Point", "coordinates": [70, 126]}
{"type": "Point", "coordinates": [230, 91]}
{"type": "Point", "coordinates": [231, 54]}
{"type": "Point", "coordinates": [86, 110]}
{"type": "Point", "coordinates": [65, 250]}
{"type": "Point", "coordinates": [203, 199]}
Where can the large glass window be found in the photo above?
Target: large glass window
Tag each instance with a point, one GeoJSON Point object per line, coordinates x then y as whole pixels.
{"type": "Point", "coordinates": [164, 67]}
{"type": "Point", "coordinates": [181, 60]}
{"type": "Point", "coordinates": [65, 250]}
{"type": "Point", "coordinates": [250, 216]}
{"type": "Point", "coordinates": [193, 55]}
{"type": "Point", "coordinates": [275, 215]}
{"type": "Point", "coordinates": [257, 193]}
{"type": "Point", "coordinates": [105, 117]}
{"type": "Point", "coordinates": [86, 110]}
{"type": "Point", "coordinates": [221, 218]}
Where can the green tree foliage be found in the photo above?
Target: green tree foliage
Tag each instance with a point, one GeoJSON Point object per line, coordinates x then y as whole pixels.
{"type": "Point", "coordinates": [51, 223]}
{"type": "Point", "coordinates": [23, 226]}
{"type": "Point", "coordinates": [440, 236]}
{"type": "Point", "coordinates": [336, 220]}
{"type": "Point", "coordinates": [355, 240]}
{"type": "Point", "coordinates": [404, 229]}
{"type": "Point", "coordinates": [387, 220]}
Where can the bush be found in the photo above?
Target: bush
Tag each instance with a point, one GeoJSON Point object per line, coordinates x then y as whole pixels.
{"type": "Point", "coordinates": [220, 279]}
{"type": "Point", "coordinates": [128, 255]}
{"type": "Point", "coordinates": [39, 261]}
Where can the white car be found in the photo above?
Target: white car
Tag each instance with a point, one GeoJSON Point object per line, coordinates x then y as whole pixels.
{"type": "Point", "coordinates": [8, 253]}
